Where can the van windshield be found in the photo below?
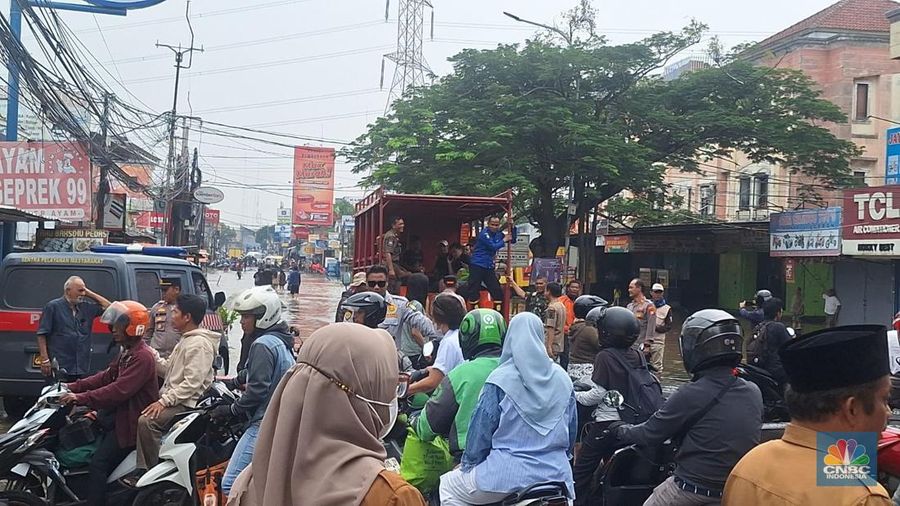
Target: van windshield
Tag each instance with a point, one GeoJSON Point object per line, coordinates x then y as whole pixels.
{"type": "Point", "coordinates": [31, 287]}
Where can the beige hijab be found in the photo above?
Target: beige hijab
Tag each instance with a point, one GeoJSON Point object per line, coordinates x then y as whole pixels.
{"type": "Point", "coordinates": [318, 445]}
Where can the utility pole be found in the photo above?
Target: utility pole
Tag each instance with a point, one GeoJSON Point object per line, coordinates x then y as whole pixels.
{"type": "Point", "coordinates": [103, 186]}
{"type": "Point", "coordinates": [167, 193]}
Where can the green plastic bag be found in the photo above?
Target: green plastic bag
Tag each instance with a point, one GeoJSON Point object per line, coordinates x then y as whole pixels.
{"type": "Point", "coordinates": [77, 457]}
{"type": "Point", "coordinates": [423, 462]}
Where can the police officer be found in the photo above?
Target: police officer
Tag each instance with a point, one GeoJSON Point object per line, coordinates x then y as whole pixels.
{"type": "Point", "coordinates": [369, 309]}
{"type": "Point", "coordinates": [160, 334]}
{"type": "Point", "coordinates": [717, 416]}
{"type": "Point", "coordinates": [397, 307]}
{"type": "Point", "coordinates": [838, 382]}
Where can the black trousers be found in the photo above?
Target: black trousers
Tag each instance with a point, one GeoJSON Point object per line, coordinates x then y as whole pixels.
{"type": "Point", "coordinates": [593, 451]}
{"type": "Point", "coordinates": [104, 461]}
{"type": "Point", "coordinates": [479, 275]}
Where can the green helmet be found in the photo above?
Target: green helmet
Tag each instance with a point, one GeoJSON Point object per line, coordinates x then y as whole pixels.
{"type": "Point", "coordinates": [479, 330]}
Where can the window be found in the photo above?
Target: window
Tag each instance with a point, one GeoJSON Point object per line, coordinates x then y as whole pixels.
{"type": "Point", "coordinates": [147, 287]}
{"type": "Point", "coordinates": [762, 191]}
{"type": "Point", "coordinates": [201, 288]}
{"type": "Point", "coordinates": [744, 193]}
{"type": "Point", "coordinates": [862, 102]}
{"type": "Point", "coordinates": [859, 179]}
{"type": "Point", "coordinates": [707, 200]}
{"type": "Point", "coordinates": [34, 286]}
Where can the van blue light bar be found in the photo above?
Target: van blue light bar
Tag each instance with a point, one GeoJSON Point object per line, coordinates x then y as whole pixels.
{"type": "Point", "coordinates": [157, 251]}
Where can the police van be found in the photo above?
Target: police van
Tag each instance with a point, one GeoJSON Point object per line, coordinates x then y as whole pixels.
{"type": "Point", "coordinates": [28, 281]}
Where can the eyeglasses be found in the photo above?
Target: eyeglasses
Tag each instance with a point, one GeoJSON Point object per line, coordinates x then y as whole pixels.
{"type": "Point", "coordinates": [379, 284]}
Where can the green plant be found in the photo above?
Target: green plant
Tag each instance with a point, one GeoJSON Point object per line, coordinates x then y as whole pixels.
{"type": "Point", "coordinates": [228, 317]}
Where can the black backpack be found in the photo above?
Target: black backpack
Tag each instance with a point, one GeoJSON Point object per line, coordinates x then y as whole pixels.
{"type": "Point", "coordinates": [756, 346]}
{"type": "Point", "coordinates": [644, 391]}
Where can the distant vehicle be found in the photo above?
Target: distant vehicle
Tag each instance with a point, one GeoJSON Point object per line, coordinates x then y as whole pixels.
{"type": "Point", "coordinates": [332, 267]}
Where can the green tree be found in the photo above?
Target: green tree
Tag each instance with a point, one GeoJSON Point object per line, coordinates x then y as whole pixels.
{"type": "Point", "coordinates": [342, 207]}
{"type": "Point", "coordinates": [265, 234]}
{"type": "Point", "coordinates": [546, 118]}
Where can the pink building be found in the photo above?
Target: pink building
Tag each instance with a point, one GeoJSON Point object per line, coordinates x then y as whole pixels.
{"type": "Point", "coordinates": [846, 50]}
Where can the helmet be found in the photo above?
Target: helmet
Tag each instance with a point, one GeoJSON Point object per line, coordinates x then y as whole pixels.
{"type": "Point", "coordinates": [762, 296]}
{"type": "Point", "coordinates": [370, 303]}
{"type": "Point", "coordinates": [617, 327]}
{"type": "Point", "coordinates": [709, 335]}
{"type": "Point", "coordinates": [481, 329]}
{"type": "Point", "coordinates": [133, 315]}
{"type": "Point", "coordinates": [262, 302]}
{"type": "Point", "coordinates": [585, 303]}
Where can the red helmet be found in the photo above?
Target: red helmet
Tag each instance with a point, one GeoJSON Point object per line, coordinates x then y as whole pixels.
{"type": "Point", "coordinates": [133, 315]}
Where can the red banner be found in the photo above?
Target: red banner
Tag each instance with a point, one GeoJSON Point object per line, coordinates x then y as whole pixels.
{"type": "Point", "coordinates": [49, 179]}
{"type": "Point", "coordinates": [150, 219]}
{"type": "Point", "coordinates": [211, 216]}
{"type": "Point", "coordinates": [313, 186]}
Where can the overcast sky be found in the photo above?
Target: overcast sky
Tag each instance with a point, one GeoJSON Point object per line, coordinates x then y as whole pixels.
{"type": "Point", "coordinates": [312, 67]}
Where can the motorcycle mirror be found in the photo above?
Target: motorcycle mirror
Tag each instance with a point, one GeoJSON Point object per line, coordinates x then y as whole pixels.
{"type": "Point", "coordinates": [218, 363]}
{"type": "Point", "coordinates": [613, 399]}
{"type": "Point", "coordinates": [791, 332]}
{"type": "Point", "coordinates": [218, 300]}
{"type": "Point", "coordinates": [428, 349]}
{"type": "Point", "coordinates": [403, 386]}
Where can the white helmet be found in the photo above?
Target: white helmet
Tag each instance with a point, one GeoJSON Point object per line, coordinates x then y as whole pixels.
{"type": "Point", "coordinates": [263, 302]}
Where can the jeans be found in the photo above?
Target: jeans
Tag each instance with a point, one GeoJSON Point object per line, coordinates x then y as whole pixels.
{"type": "Point", "coordinates": [478, 275]}
{"type": "Point", "coordinates": [593, 450]}
{"type": "Point", "coordinates": [104, 461]}
{"type": "Point", "coordinates": [241, 457]}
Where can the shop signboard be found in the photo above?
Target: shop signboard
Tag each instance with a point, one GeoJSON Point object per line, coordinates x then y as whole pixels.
{"type": "Point", "coordinates": [871, 224]}
{"type": "Point", "coordinates": [77, 240]}
{"type": "Point", "coordinates": [284, 216]}
{"type": "Point", "coordinates": [806, 233]}
{"type": "Point", "coordinates": [212, 217]}
{"type": "Point", "coordinates": [519, 252]}
{"type": "Point", "coordinates": [49, 179]}
{"type": "Point", "coordinates": [618, 244]}
{"type": "Point", "coordinates": [892, 169]}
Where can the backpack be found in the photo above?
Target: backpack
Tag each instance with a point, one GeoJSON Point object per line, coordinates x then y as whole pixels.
{"type": "Point", "coordinates": [756, 346]}
{"type": "Point", "coordinates": [644, 392]}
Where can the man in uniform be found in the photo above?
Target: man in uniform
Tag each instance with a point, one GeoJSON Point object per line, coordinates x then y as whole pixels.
{"type": "Point", "coordinates": [161, 335]}
{"type": "Point", "coordinates": [392, 250]}
{"type": "Point", "coordinates": [643, 310]}
{"type": "Point", "coordinates": [838, 382]}
{"type": "Point", "coordinates": [397, 308]}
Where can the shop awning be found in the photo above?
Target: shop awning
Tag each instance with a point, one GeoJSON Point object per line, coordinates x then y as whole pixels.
{"type": "Point", "coordinates": [8, 213]}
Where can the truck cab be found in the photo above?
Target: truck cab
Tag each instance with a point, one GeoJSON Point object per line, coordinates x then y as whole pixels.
{"type": "Point", "coordinates": [28, 281]}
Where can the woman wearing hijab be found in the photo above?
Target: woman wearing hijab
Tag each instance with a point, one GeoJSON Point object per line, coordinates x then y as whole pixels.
{"type": "Point", "coordinates": [523, 429]}
{"type": "Point", "coordinates": [320, 439]}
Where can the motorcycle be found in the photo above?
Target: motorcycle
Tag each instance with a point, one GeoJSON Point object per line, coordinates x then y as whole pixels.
{"type": "Point", "coordinates": [193, 456]}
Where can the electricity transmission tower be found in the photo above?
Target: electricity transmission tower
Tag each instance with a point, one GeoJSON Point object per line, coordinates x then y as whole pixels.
{"type": "Point", "coordinates": [410, 63]}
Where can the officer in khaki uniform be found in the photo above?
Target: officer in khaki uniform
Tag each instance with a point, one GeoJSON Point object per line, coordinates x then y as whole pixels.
{"type": "Point", "coordinates": [838, 382]}
{"type": "Point", "coordinates": [392, 249]}
{"type": "Point", "coordinates": [160, 334]}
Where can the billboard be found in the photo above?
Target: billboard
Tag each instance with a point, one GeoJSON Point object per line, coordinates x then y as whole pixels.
{"type": "Point", "coordinates": [871, 221]}
{"type": "Point", "coordinates": [313, 186]}
{"type": "Point", "coordinates": [892, 168]}
{"type": "Point", "coordinates": [49, 179]}
{"type": "Point", "coordinates": [617, 244]}
{"type": "Point", "coordinates": [813, 232]}
{"type": "Point", "coordinates": [150, 219]}
{"type": "Point", "coordinates": [284, 216]}
{"type": "Point", "coordinates": [212, 217]}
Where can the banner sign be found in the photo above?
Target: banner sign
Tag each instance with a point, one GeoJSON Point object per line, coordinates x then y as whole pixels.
{"type": "Point", "coordinates": [348, 223]}
{"type": "Point", "coordinates": [813, 232]}
{"type": "Point", "coordinates": [892, 170]}
{"type": "Point", "coordinates": [284, 216]}
{"type": "Point", "coordinates": [150, 219]}
{"type": "Point", "coordinates": [212, 217]}
{"type": "Point", "coordinates": [78, 240]}
{"type": "Point", "coordinates": [313, 186]}
{"type": "Point", "coordinates": [871, 221]}
{"type": "Point", "coordinates": [114, 212]}
{"type": "Point", "coordinates": [618, 244]}
{"type": "Point", "coordinates": [52, 180]}
{"type": "Point", "coordinates": [519, 252]}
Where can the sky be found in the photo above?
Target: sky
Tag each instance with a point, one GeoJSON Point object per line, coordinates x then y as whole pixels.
{"type": "Point", "coordinates": [312, 67]}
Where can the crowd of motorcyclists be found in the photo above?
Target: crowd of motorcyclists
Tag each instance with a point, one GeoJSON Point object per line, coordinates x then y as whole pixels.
{"type": "Point", "coordinates": [512, 415]}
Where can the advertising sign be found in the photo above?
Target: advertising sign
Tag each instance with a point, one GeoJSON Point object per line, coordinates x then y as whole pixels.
{"type": "Point", "coordinates": [212, 217]}
{"type": "Point", "coordinates": [208, 195]}
{"type": "Point", "coordinates": [519, 252]}
{"type": "Point", "coordinates": [813, 232]}
{"type": "Point", "coordinates": [78, 240]}
{"type": "Point", "coordinates": [789, 270]}
{"type": "Point", "coordinates": [114, 212]}
{"type": "Point", "coordinates": [313, 186]}
{"type": "Point", "coordinates": [618, 244]}
{"type": "Point", "coordinates": [52, 180]}
{"type": "Point", "coordinates": [892, 170]}
{"type": "Point", "coordinates": [550, 268]}
{"type": "Point", "coordinates": [150, 219]}
{"type": "Point", "coordinates": [871, 221]}
{"type": "Point", "coordinates": [301, 232]}
{"type": "Point", "coordinates": [284, 216]}
{"type": "Point", "coordinates": [348, 223]}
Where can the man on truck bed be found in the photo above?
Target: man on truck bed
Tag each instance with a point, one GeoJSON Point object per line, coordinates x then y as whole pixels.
{"type": "Point", "coordinates": [481, 268]}
{"type": "Point", "coordinates": [392, 251]}
{"type": "Point", "coordinates": [66, 327]}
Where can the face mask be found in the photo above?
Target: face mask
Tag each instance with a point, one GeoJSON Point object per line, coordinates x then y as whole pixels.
{"type": "Point", "coordinates": [393, 410]}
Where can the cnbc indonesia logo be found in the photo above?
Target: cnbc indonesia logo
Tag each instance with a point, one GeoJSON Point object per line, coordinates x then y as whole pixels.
{"type": "Point", "coordinates": [847, 460]}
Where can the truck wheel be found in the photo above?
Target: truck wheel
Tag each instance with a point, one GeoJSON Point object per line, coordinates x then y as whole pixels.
{"type": "Point", "coordinates": [16, 406]}
{"type": "Point", "coordinates": [162, 494]}
{"type": "Point", "coordinates": [20, 499]}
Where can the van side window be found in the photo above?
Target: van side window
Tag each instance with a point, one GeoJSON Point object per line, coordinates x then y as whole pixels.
{"type": "Point", "coordinates": [33, 286]}
{"type": "Point", "coordinates": [201, 288]}
{"type": "Point", "coordinates": [147, 287]}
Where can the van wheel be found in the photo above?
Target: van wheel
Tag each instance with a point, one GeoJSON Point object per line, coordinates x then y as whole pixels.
{"type": "Point", "coordinates": [16, 406]}
{"type": "Point", "coordinates": [20, 499]}
{"type": "Point", "coordinates": [163, 494]}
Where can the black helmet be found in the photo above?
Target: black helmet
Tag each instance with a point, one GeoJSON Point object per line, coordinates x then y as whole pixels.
{"type": "Point", "coordinates": [762, 296]}
{"type": "Point", "coordinates": [372, 304]}
{"type": "Point", "coordinates": [617, 327]}
{"type": "Point", "coordinates": [710, 335]}
{"type": "Point", "coordinates": [585, 303]}
{"type": "Point", "coordinates": [481, 329]}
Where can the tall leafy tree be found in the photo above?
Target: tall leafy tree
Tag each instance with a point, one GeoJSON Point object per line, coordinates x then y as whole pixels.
{"type": "Point", "coordinates": [547, 118]}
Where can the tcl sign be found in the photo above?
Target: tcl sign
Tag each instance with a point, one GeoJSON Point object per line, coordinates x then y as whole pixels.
{"type": "Point", "coordinates": [871, 221]}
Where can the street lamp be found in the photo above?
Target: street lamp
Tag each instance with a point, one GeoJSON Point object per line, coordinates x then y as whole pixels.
{"type": "Point", "coordinates": [566, 36]}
